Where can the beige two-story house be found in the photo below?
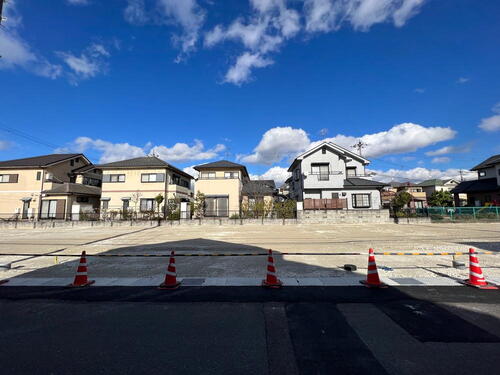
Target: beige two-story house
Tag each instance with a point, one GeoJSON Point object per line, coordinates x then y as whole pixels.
{"type": "Point", "coordinates": [221, 182]}
{"type": "Point", "coordinates": [45, 187]}
{"type": "Point", "coordinates": [132, 185]}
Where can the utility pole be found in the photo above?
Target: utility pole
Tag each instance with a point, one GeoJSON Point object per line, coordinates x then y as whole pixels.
{"type": "Point", "coordinates": [360, 146]}
{"type": "Point", "coordinates": [461, 176]}
{"type": "Point", "coordinates": [1, 11]}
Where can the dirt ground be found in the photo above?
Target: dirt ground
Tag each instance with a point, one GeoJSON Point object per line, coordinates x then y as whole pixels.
{"type": "Point", "coordinates": [251, 238]}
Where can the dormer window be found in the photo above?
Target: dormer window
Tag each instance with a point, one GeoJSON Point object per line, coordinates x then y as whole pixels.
{"type": "Point", "coordinates": [351, 171]}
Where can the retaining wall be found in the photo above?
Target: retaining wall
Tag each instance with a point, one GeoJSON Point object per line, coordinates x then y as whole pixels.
{"type": "Point", "coordinates": [343, 216]}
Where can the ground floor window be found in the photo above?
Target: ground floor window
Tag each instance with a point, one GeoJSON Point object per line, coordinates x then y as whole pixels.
{"type": "Point", "coordinates": [361, 201]}
{"type": "Point", "coordinates": [217, 206]}
{"type": "Point", "coordinates": [147, 204]}
{"type": "Point", "coordinates": [52, 209]}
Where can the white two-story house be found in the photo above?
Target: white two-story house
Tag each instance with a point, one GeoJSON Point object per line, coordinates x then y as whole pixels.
{"type": "Point", "coordinates": [329, 171]}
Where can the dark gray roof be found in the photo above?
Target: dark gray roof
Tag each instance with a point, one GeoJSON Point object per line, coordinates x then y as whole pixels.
{"type": "Point", "coordinates": [401, 184]}
{"type": "Point", "coordinates": [221, 164]}
{"type": "Point", "coordinates": [495, 159]}
{"type": "Point", "coordinates": [143, 162]}
{"type": "Point", "coordinates": [72, 188]}
{"type": "Point", "coordinates": [37, 161]}
{"type": "Point", "coordinates": [361, 182]}
{"type": "Point", "coordinates": [84, 169]}
{"type": "Point", "coordinates": [477, 186]}
{"type": "Point", "coordinates": [259, 187]}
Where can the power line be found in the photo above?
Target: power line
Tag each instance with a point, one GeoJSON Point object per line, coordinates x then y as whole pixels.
{"type": "Point", "coordinates": [29, 137]}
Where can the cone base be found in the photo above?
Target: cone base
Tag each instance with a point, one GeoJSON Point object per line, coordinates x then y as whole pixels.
{"type": "Point", "coordinates": [368, 285]}
{"type": "Point", "coordinates": [487, 286]}
{"type": "Point", "coordinates": [164, 286]}
{"type": "Point", "coordinates": [276, 285]}
{"type": "Point", "coordinates": [90, 282]}
{"type": "Point", "coordinates": [4, 281]}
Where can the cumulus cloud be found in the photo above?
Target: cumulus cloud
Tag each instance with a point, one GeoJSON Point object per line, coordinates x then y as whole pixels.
{"type": "Point", "coordinates": [278, 174]}
{"type": "Point", "coordinates": [17, 52]}
{"type": "Point", "coordinates": [240, 72]}
{"type": "Point", "coordinates": [135, 12]}
{"type": "Point", "coordinates": [277, 144]}
{"type": "Point", "coordinates": [182, 152]}
{"type": "Point", "coordinates": [492, 124]}
{"type": "Point", "coordinates": [109, 151]}
{"type": "Point", "coordinates": [285, 142]}
{"type": "Point", "coordinates": [449, 150]}
{"type": "Point", "coordinates": [193, 172]}
{"type": "Point", "coordinates": [420, 174]}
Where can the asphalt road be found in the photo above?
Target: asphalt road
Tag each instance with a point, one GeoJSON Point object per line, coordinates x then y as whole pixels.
{"type": "Point", "coordinates": [246, 330]}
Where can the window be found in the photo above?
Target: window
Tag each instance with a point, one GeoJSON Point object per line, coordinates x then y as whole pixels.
{"type": "Point", "coordinates": [147, 205]}
{"type": "Point", "coordinates": [113, 178]}
{"type": "Point", "coordinates": [335, 195]}
{"type": "Point", "coordinates": [152, 177]}
{"type": "Point", "coordinates": [9, 178]}
{"type": "Point", "coordinates": [217, 206]}
{"type": "Point", "coordinates": [230, 174]}
{"type": "Point", "coordinates": [351, 171]}
{"type": "Point", "coordinates": [38, 176]}
{"type": "Point", "coordinates": [207, 175]}
{"type": "Point", "coordinates": [361, 200]}
{"type": "Point", "coordinates": [321, 170]}
{"type": "Point", "coordinates": [185, 183]}
{"type": "Point", "coordinates": [323, 150]}
{"type": "Point", "coordinates": [482, 173]}
{"type": "Point", "coordinates": [72, 162]}
{"type": "Point", "coordinates": [82, 199]}
{"type": "Point", "coordinates": [91, 181]}
{"type": "Point", "coordinates": [105, 205]}
{"type": "Point", "coordinates": [126, 204]}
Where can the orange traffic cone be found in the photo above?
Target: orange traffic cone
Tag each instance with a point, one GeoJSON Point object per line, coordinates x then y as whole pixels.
{"type": "Point", "coordinates": [81, 273]}
{"type": "Point", "coordinates": [372, 279]}
{"type": "Point", "coordinates": [271, 280]}
{"type": "Point", "coordinates": [171, 276]}
{"type": "Point", "coordinates": [476, 278]}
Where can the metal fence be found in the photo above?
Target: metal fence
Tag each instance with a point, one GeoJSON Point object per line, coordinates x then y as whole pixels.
{"type": "Point", "coordinates": [455, 214]}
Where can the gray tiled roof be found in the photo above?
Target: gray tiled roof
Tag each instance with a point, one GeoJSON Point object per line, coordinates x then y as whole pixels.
{"type": "Point", "coordinates": [72, 188]}
{"type": "Point", "coordinates": [260, 187]}
{"type": "Point", "coordinates": [143, 162]}
{"type": "Point", "coordinates": [361, 182]}
{"type": "Point", "coordinates": [491, 161]}
{"type": "Point", "coordinates": [219, 164]}
{"type": "Point", "coordinates": [37, 161]}
{"type": "Point", "coordinates": [477, 186]}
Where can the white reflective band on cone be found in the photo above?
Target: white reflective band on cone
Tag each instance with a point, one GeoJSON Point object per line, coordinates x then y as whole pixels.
{"type": "Point", "coordinates": [82, 265]}
{"type": "Point", "coordinates": [81, 274]}
{"type": "Point", "coordinates": [474, 264]}
{"type": "Point", "coordinates": [478, 275]}
{"type": "Point", "coordinates": [270, 264]}
{"type": "Point", "coordinates": [372, 271]}
{"type": "Point", "coordinates": [271, 273]}
{"type": "Point", "coordinates": [372, 263]}
{"type": "Point", "coordinates": [170, 273]}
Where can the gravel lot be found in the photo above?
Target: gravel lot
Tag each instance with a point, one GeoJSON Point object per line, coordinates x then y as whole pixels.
{"type": "Point", "coordinates": [251, 238]}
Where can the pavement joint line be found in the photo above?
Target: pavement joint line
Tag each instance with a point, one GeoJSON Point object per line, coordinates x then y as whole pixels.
{"type": "Point", "coordinates": [226, 281]}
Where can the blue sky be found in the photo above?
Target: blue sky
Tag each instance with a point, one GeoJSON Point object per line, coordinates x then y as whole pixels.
{"type": "Point", "coordinates": [254, 81]}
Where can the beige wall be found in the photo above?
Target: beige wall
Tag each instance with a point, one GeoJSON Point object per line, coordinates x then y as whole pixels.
{"type": "Point", "coordinates": [222, 186]}
{"type": "Point", "coordinates": [134, 188]}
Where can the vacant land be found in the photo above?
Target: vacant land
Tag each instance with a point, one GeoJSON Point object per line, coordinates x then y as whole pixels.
{"type": "Point", "coordinates": [250, 238]}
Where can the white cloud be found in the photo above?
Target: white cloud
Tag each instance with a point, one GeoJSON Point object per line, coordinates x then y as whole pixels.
{"type": "Point", "coordinates": [323, 132]}
{"type": "Point", "coordinates": [285, 142]}
{"type": "Point", "coordinates": [420, 174]}
{"type": "Point", "coordinates": [406, 137]}
{"type": "Point", "coordinates": [135, 12]}
{"type": "Point", "coordinates": [329, 15]}
{"type": "Point", "coordinates": [180, 152]}
{"type": "Point", "coordinates": [449, 150]}
{"type": "Point", "coordinates": [190, 17]}
{"type": "Point", "coordinates": [278, 174]}
{"type": "Point", "coordinates": [4, 145]}
{"type": "Point", "coordinates": [276, 144]}
{"type": "Point", "coordinates": [240, 72]}
{"type": "Point", "coordinates": [91, 62]}
{"type": "Point", "coordinates": [78, 2]}
{"type": "Point", "coordinates": [440, 160]}
{"type": "Point", "coordinates": [492, 124]}
{"type": "Point", "coordinates": [463, 80]}
{"type": "Point", "coordinates": [419, 90]}
{"type": "Point", "coordinates": [193, 172]}
{"type": "Point", "coordinates": [17, 53]}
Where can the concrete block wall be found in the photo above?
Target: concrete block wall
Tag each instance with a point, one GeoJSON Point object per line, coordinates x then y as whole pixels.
{"type": "Point", "coordinates": [343, 216]}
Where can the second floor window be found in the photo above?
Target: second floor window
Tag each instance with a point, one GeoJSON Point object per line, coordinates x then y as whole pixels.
{"type": "Point", "coordinates": [321, 170]}
{"type": "Point", "coordinates": [207, 175]}
{"type": "Point", "coordinates": [351, 171]}
{"type": "Point", "coordinates": [113, 178]}
{"type": "Point", "coordinates": [230, 174]}
{"type": "Point", "coordinates": [152, 177]}
{"type": "Point", "coordinates": [9, 178]}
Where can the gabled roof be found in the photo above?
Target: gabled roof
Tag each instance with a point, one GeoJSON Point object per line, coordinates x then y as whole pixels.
{"type": "Point", "coordinates": [477, 186]}
{"type": "Point", "coordinates": [436, 182]}
{"type": "Point", "coordinates": [362, 182]}
{"type": "Point", "coordinates": [490, 162]}
{"type": "Point", "coordinates": [84, 169]}
{"type": "Point", "coordinates": [259, 187]}
{"type": "Point", "coordinates": [221, 164]}
{"type": "Point", "coordinates": [336, 148]}
{"type": "Point", "coordinates": [39, 161]}
{"type": "Point", "coordinates": [68, 188]}
{"type": "Point", "coordinates": [143, 162]}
